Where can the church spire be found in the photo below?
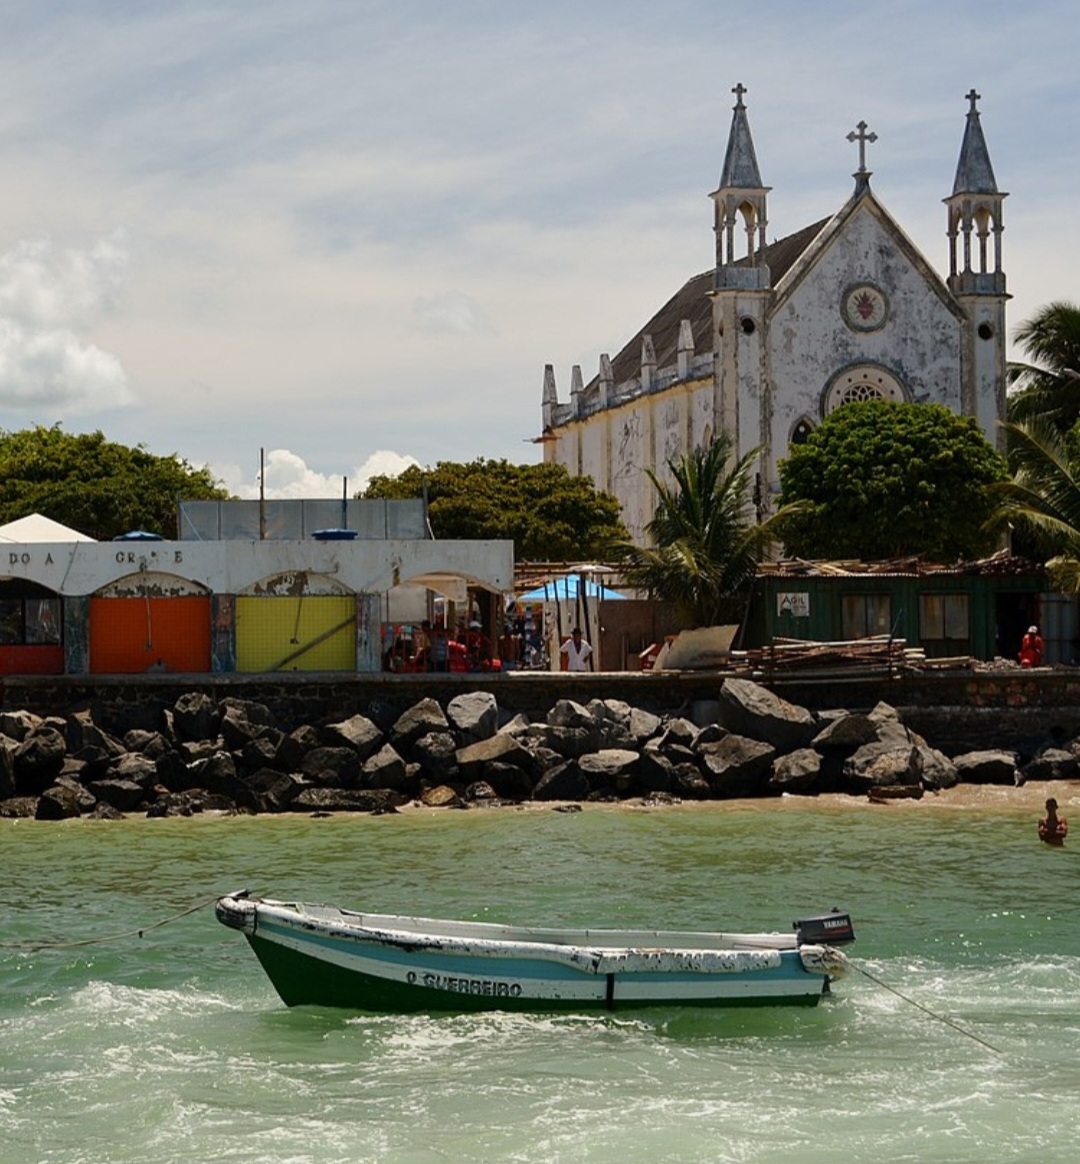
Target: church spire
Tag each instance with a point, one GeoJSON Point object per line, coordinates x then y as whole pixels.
{"type": "Point", "coordinates": [740, 167]}
{"type": "Point", "coordinates": [974, 174]}
{"type": "Point", "coordinates": [975, 215]}
{"type": "Point", "coordinates": [740, 207]}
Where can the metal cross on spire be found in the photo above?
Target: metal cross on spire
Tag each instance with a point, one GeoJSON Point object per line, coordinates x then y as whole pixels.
{"type": "Point", "coordinates": [739, 90]}
{"type": "Point", "coordinates": [973, 97]}
{"type": "Point", "coordinates": [862, 137]}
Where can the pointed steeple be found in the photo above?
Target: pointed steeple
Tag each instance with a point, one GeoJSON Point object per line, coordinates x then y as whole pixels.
{"type": "Point", "coordinates": [975, 216]}
{"type": "Point", "coordinates": [974, 174]}
{"type": "Point", "coordinates": [741, 205]}
{"type": "Point", "coordinates": [740, 167]}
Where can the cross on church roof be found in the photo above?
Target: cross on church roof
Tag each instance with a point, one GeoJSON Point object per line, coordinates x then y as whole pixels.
{"type": "Point", "coordinates": [862, 137]}
{"type": "Point", "coordinates": [973, 97]}
{"type": "Point", "coordinates": [739, 90]}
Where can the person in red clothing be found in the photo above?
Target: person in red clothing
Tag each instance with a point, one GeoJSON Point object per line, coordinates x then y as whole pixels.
{"type": "Point", "coordinates": [1031, 648]}
{"type": "Point", "coordinates": [1053, 828]}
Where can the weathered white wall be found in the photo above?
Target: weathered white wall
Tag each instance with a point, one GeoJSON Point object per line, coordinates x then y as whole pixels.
{"type": "Point", "coordinates": [79, 568]}
{"type": "Point", "coordinates": [921, 343]}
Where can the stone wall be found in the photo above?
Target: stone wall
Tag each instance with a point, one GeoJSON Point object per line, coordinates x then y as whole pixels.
{"type": "Point", "coordinates": [958, 711]}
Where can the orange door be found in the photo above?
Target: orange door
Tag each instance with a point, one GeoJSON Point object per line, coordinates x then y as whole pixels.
{"type": "Point", "coordinates": [132, 635]}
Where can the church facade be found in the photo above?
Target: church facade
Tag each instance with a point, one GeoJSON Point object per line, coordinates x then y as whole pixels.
{"type": "Point", "coordinates": [777, 336]}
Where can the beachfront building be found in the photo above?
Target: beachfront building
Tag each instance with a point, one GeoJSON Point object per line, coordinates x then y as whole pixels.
{"type": "Point", "coordinates": [247, 589]}
{"type": "Point", "coordinates": [777, 335]}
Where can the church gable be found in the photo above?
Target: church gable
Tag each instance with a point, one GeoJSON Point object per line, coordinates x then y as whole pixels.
{"type": "Point", "coordinates": [862, 315]}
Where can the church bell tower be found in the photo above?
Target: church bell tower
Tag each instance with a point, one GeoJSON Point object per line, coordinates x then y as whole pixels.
{"type": "Point", "coordinates": [976, 276]}
{"type": "Point", "coordinates": [742, 291]}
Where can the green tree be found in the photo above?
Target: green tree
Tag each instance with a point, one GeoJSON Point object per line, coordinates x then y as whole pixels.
{"type": "Point", "coordinates": [706, 545]}
{"type": "Point", "coordinates": [1042, 501]}
{"type": "Point", "coordinates": [550, 515]}
{"type": "Point", "coordinates": [1050, 384]}
{"type": "Point", "coordinates": [882, 480]}
{"type": "Point", "coordinates": [95, 486]}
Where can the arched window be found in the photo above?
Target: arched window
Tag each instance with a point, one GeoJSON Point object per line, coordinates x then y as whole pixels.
{"type": "Point", "coordinates": [859, 383]}
{"type": "Point", "coordinates": [804, 426]}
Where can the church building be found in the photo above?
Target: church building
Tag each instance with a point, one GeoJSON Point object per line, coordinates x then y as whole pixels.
{"type": "Point", "coordinates": [778, 335]}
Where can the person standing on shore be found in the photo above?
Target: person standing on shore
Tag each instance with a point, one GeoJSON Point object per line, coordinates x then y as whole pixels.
{"type": "Point", "coordinates": [577, 652]}
{"type": "Point", "coordinates": [1053, 828]}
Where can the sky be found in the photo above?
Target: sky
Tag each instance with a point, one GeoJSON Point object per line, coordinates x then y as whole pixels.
{"type": "Point", "coordinates": [352, 233]}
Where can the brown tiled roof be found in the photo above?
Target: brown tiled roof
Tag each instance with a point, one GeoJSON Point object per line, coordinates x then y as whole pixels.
{"type": "Point", "coordinates": [692, 302]}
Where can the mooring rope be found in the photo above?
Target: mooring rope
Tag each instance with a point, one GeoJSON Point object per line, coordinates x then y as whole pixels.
{"type": "Point", "coordinates": [925, 1009]}
{"type": "Point", "coordinates": [111, 937]}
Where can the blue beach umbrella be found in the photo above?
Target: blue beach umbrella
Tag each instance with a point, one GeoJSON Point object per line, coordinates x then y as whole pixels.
{"type": "Point", "coordinates": [567, 589]}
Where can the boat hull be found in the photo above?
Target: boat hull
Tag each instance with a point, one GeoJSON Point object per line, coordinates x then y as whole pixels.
{"type": "Point", "coordinates": [333, 958]}
{"type": "Point", "coordinates": [303, 980]}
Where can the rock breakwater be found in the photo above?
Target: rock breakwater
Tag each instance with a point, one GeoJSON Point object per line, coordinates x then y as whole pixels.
{"type": "Point", "coordinates": [230, 755]}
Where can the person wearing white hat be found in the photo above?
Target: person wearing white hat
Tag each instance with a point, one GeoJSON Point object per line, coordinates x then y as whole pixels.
{"type": "Point", "coordinates": [1031, 648]}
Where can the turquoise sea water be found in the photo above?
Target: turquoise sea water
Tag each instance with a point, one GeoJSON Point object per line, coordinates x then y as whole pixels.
{"type": "Point", "coordinates": [173, 1047]}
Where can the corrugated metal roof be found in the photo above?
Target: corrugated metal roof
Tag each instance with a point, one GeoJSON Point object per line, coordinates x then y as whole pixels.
{"type": "Point", "coordinates": [998, 564]}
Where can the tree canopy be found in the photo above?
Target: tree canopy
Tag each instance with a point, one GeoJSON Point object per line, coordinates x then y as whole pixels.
{"type": "Point", "coordinates": [706, 543]}
{"type": "Point", "coordinates": [1042, 501]}
{"type": "Point", "coordinates": [550, 515]}
{"type": "Point", "coordinates": [1050, 384]}
{"type": "Point", "coordinates": [95, 486]}
{"type": "Point", "coordinates": [882, 480]}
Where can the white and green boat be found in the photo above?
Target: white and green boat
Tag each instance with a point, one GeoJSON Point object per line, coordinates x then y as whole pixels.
{"type": "Point", "coordinates": [320, 955]}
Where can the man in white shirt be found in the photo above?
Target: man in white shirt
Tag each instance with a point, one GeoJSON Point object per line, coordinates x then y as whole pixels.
{"type": "Point", "coordinates": [577, 652]}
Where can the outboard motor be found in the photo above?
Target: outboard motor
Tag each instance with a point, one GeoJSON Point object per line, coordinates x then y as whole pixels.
{"type": "Point", "coordinates": [828, 929]}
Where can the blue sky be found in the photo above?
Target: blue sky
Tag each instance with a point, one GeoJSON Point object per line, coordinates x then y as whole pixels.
{"type": "Point", "coordinates": [350, 232]}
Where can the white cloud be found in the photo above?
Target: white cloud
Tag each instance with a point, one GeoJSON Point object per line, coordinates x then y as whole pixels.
{"type": "Point", "coordinates": [288, 475]}
{"type": "Point", "coordinates": [47, 297]}
{"type": "Point", "coordinates": [452, 313]}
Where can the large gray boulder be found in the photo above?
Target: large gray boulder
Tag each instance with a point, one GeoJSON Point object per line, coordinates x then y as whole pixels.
{"type": "Point", "coordinates": [877, 764]}
{"type": "Point", "coordinates": [748, 709]}
{"type": "Point", "coordinates": [57, 803]}
{"type": "Point", "coordinates": [569, 742]}
{"type": "Point", "coordinates": [564, 782]}
{"type": "Point", "coordinates": [797, 772]}
{"type": "Point", "coordinates": [851, 730]}
{"type": "Point", "coordinates": [377, 800]}
{"type": "Point", "coordinates": [436, 753]}
{"type": "Point", "coordinates": [938, 771]}
{"type": "Point", "coordinates": [986, 767]}
{"type": "Point", "coordinates": [566, 713]}
{"type": "Point", "coordinates": [507, 781]}
{"type": "Point", "coordinates": [386, 769]}
{"type": "Point", "coordinates": [270, 791]}
{"type": "Point", "coordinates": [420, 719]}
{"type": "Point", "coordinates": [737, 766]}
{"type": "Point", "coordinates": [332, 767]}
{"type": "Point", "coordinates": [474, 715]}
{"type": "Point", "coordinates": [357, 732]}
{"type": "Point", "coordinates": [38, 760]}
{"type": "Point", "coordinates": [613, 769]}
{"type": "Point", "coordinates": [7, 767]}
{"type": "Point", "coordinates": [473, 760]}
{"type": "Point", "coordinates": [17, 725]}
{"type": "Point", "coordinates": [1049, 764]}
{"type": "Point", "coordinates": [196, 716]}
{"type": "Point", "coordinates": [135, 767]}
{"type": "Point", "coordinates": [123, 795]}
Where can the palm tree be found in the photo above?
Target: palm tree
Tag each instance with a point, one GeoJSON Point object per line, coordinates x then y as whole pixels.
{"type": "Point", "coordinates": [706, 544]}
{"type": "Point", "coordinates": [1043, 497]}
{"type": "Point", "coordinates": [1050, 384]}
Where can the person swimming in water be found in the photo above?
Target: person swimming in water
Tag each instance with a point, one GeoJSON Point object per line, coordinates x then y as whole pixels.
{"type": "Point", "coordinates": [1053, 828]}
